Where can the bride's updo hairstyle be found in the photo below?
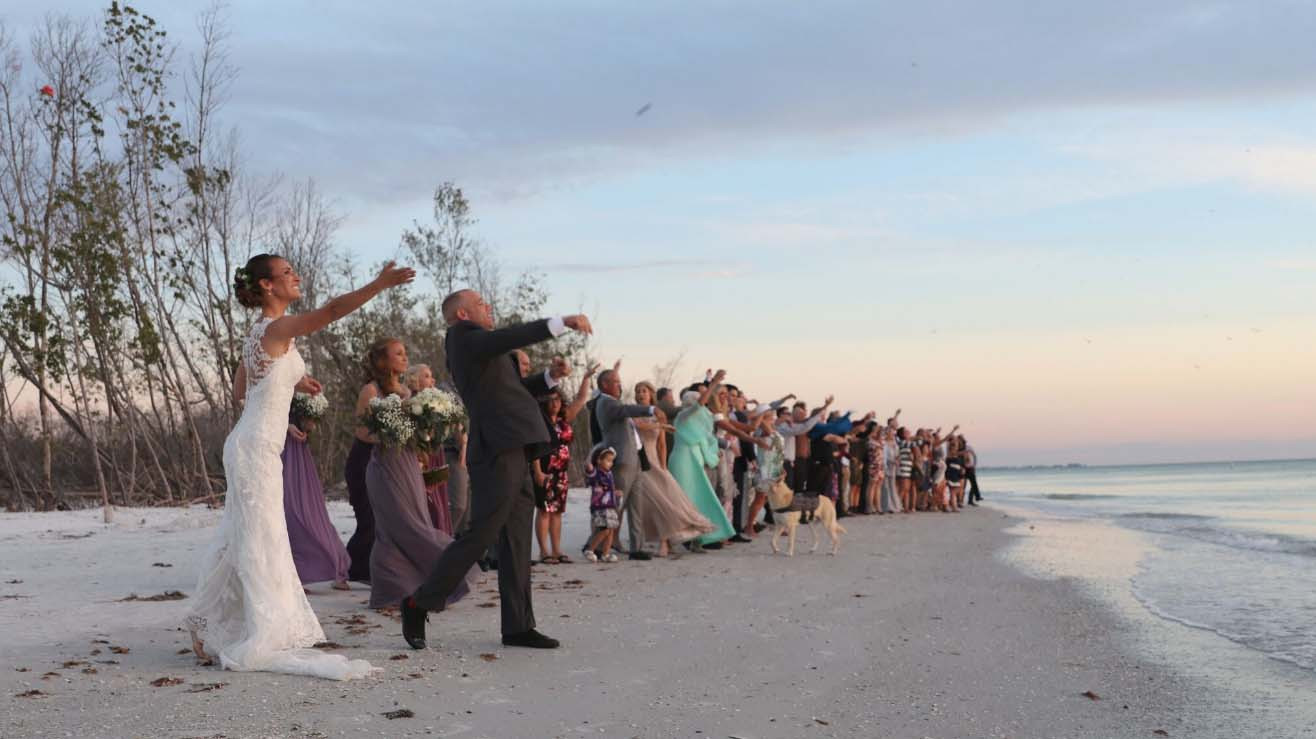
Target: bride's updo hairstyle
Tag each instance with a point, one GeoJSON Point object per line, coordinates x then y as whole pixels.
{"type": "Point", "coordinates": [373, 364]}
{"type": "Point", "coordinates": [246, 280]}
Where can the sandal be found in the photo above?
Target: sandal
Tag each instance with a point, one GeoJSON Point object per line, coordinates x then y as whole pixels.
{"type": "Point", "coordinates": [563, 559]}
{"type": "Point", "coordinates": [549, 560]}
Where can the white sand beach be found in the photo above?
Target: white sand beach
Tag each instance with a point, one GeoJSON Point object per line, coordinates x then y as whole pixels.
{"type": "Point", "coordinates": [920, 628]}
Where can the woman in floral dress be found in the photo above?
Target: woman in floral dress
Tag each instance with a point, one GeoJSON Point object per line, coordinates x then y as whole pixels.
{"type": "Point", "coordinates": [551, 470]}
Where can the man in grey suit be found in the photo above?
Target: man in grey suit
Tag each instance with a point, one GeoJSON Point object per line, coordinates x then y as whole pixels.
{"type": "Point", "coordinates": [506, 430]}
{"type": "Point", "coordinates": [619, 433]}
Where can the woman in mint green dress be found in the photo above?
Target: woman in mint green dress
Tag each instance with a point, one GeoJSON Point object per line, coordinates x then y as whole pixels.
{"type": "Point", "coordinates": [696, 448]}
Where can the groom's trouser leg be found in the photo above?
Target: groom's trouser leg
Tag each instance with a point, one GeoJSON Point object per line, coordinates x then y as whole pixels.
{"type": "Point", "coordinates": [514, 559]}
{"type": "Point", "coordinates": [495, 484]}
{"type": "Point", "coordinates": [627, 477]}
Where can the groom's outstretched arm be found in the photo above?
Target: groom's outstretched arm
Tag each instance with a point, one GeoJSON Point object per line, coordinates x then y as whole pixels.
{"type": "Point", "coordinates": [486, 344]}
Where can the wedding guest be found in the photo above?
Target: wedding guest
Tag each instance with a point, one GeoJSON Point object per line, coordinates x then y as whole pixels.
{"type": "Point", "coordinates": [550, 471]}
{"type": "Point", "coordinates": [354, 473]}
{"type": "Point", "coordinates": [937, 467]}
{"type": "Point", "coordinates": [604, 516]}
{"type": "Point", "coordinates": [874, 467]}
{"type": "Point", "coordinates": [823, 464]}
{"type": "Point", "coordinates": [955, 473]}
{"type": "Point", "coordinates": [795, 430]}
{"type": "Point", "coordinates": [971, 472]}
{"type": "Point", "coordinates": [771, 466]}
{"type": "Point", "coordinates": [667, 403]}
{"type": "Point", "coordinates": [406, 542]}
{"type": "Point", "coordinates": [668, 517]}
{"type": "Point", "coordinates": [890, 467]}
{"type": "Point", "coordinates": [615, 421]}
{"type": "Point", "coordinates": [905, 470]}
{"type": "Point", "coordinates": [731, 433]}
{"type": "Point", "coordinates": [696, 449]}
{"type": "Point", "coordinates": [435, 463]}
{"type": "Point", "coordinates": [317, 552]}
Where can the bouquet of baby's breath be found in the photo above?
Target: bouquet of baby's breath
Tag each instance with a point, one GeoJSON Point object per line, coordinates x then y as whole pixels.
{"type": "Point", "coordinates": [389, 422]}
{"type": "Point", "coordinates": [436, 414]}
{"type": "Point", "coordinates": [307, 410]}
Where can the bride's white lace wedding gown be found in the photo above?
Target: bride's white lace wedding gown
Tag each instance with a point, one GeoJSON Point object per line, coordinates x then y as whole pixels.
{"type": "Point", "coordinates": [249, 608]}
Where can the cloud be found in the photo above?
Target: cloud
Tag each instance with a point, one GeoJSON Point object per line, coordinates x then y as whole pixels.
{"type": "Point", "coordinates": [1297, 264]}
{"type": "Point", "coordinates": [632, 266]}
{"type": "Point", "coordinates": [384, 100]}
{"type": "Point", "coordinates": [1258, 159]}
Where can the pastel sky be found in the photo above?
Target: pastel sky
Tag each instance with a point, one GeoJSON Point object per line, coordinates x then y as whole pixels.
{"type": "Point", "coordinates": [1084, 231]}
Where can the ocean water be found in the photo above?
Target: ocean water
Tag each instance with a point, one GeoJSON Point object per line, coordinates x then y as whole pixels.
{"type": "Point", "coordinates": [1232, 544]}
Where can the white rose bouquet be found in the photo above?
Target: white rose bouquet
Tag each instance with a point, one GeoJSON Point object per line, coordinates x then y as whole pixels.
{"type": "Point", "coordinates": [387, 420]}
{"type": "Point", "coordinates": [436, 414]}
{"type": "Point", "coordinates": [307, 410]}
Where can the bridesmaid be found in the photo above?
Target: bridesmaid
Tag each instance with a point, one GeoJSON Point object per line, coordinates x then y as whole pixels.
{"type": "Point", "coordinates": [317, 552]}
{"type": "Point", "coordinates": [550, 471]}
{"type": "Point", "coordinates": [406, 543]}
{"type": "Point", "coordinates": [363, 539]}
{"type": "Point", "coordinates": [420, 377]}
{"type": "Point", "coordinates": [695, 449]}
{"type": "Point", "coordinates": [667, 515]}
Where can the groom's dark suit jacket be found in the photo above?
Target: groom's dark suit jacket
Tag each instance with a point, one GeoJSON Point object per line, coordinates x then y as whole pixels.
{"type": "Point", "coordinates": [501, 405]}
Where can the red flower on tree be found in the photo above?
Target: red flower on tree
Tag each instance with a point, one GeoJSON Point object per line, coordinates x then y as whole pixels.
{"type": "Point", "coordinates": [48, 91]}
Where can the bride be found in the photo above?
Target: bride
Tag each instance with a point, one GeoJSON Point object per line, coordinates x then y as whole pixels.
{"type": "Point", "coordinates": [249, 610]}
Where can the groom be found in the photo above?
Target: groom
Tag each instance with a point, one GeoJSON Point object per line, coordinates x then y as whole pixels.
{"type": "Point", "coordinates": [505, 421]}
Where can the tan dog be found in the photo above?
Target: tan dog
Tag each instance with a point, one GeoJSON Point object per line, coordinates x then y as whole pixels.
{"type": "Point", "coordinates": [780, 496]}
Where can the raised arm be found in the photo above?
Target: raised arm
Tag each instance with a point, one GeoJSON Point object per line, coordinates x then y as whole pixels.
{"type": "Point", "coordinates": [713, 384]}
{"type": "Point", "coordinates": [938, 439]}
{"type": "Point", "coordinates": [728, 427]}
{"type": "Point", "coordinates": [582, 395]}
{"type": "Point", "coordinates": [611, 410]}
{"type": "Point", "coordinates": [484, 344]}
{"type": "Point", "coordinates": [287, 328]}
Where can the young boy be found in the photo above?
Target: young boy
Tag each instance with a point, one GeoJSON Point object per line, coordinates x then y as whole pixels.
{"type": "Point", "coordinates": [603, 506]}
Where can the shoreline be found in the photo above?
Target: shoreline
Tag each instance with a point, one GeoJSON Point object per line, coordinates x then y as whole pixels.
{"type": "Point", "coordinates": [1253, 691]}
{"type": "Point", "coordinates": [928, 626]}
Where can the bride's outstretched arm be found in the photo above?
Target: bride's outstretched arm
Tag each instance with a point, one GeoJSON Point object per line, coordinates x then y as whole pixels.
{"type": "Point", "coordinates": [301, 324]}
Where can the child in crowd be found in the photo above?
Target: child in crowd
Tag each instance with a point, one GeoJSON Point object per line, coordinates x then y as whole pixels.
{"type": "Point", "coordinates": [603, 507]}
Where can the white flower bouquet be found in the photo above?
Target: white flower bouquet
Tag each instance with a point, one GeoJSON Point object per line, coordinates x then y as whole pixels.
{"type": "Point", "coordinates": [307, 410]}
{"type": "Point", "coordinates": [436, 413]}
{"type": "Point", "coordinates": [387, 420]}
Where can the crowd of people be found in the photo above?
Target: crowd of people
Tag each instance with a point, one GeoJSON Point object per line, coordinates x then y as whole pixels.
{"type": "Point", "coordinates": [683, 471]}
{"type": "Point", "coordinates": [687, 475]}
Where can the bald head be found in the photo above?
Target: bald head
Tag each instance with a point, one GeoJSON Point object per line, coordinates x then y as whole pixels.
{"type": "Point", "coordinates": [467, 305]}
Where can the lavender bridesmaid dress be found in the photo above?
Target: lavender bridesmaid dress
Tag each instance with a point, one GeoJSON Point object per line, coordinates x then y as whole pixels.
{"type": "Point", "coordinates": [317, 552]}
{"type": "Point", "coordinates": [406, 543]}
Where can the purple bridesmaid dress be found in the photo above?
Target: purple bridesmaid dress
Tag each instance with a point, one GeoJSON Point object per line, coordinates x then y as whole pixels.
{"type": "Point", "coordinates": [317, 551]}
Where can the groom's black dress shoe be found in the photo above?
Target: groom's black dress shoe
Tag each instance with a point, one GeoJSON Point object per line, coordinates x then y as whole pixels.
{"type": "Point", "coordinates": [641, 556]}
{"type": "Point", "coordinates": [413, 623]}
{"type": "Point", "coordinates": [531, 638]}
